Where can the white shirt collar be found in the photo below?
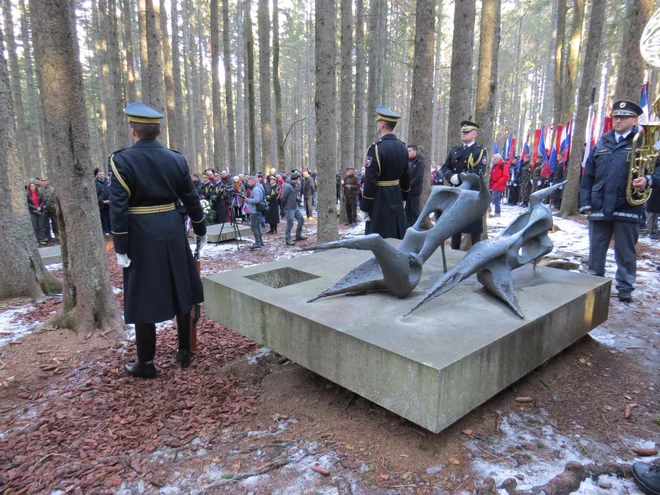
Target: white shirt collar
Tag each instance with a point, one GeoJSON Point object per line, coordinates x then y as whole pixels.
{"type": "Point", "coordinates": [469, 144]}
{"type": "Point", "coordinates": [624, 135]}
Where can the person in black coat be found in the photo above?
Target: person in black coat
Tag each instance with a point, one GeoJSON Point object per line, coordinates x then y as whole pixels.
{"type": "Point", "coordinates": [35, 202]}
{"type": "Point", "coordinates": [160, 277]}
{"type": "Point", "coordinates": [272, 214]}
{"type": "Point", "coordinates": [603, 198]}
{"type": "Point", "coordinates": [386, 180]}
{"type": "Point", "coordinates": [466, 158]}
{"type": "Point", "coordinates": [416, 171]}
{"type": "Point", "coordinates": [103, 198]}
{"type": "Point", "coordinates": [653, 209]}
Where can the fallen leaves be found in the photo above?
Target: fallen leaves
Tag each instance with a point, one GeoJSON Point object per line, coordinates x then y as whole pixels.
{"type": "Point", "coordinates": [627, 412]}
{"type": "Point", "coordinates": [454, 461]}
{"type": "Point", "coordinates": [644, 452]}
{"type": "Point", "coordinates": [321, 470]}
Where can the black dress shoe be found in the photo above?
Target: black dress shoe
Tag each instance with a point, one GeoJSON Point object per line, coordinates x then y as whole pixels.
{"type": "Point", "coordinates": [184, 356]}
{"type": "Point", "coordinates": [647, 477]}
{"type": "Point", "coordinates": [141, 370]}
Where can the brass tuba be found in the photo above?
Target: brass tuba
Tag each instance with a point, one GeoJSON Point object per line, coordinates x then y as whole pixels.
{"type": "Point", "coordinates": [644, 153]}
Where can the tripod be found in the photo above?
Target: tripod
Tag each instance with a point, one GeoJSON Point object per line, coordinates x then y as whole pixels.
{"type": "Point", "coordinates": [237, 232]}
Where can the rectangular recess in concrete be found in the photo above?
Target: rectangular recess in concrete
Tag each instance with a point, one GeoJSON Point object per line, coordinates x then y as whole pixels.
{"type": "Point", "coordinates": [282, 277]}
{"type": "Point", "coordinates": [433, 367]}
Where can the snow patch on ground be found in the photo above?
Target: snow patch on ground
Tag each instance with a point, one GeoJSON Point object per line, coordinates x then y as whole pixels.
{"type": "Point", "coordinates": [530, 450]}
{"type": "Point", "coordinates": [53, 267]}
{"type": "Point", "coordinates": [16, 329]}
{"type": "Point", "coordinates": [129, 333]}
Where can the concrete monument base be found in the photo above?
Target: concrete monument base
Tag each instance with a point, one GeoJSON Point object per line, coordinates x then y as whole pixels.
{"type": "Point", "coordinates": [433, 367]}
{"type": "Point", "coordinates": [50, 254]}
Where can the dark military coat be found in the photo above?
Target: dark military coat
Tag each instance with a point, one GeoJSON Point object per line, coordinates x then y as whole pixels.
{"type": "Point", "coordinates": [162, 280]}
{"type": "Point", "coordinates": [605, 180]}
{"type": "Point", "coordinates": [525, 181]}
{"type": "Point", "coordinates": [386, 180]}
{"type": "Point", "coordinates": [471, 159]}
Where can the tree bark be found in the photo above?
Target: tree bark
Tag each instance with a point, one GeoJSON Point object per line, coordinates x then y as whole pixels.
{"type": "Point", "coordinates": [489, 45]}
{"type": "Point", "coordinates": [324, 103]}
{"type": "Point", "coordinates": [174, 130]}
{"type": "Point", "coordinates": [87, 298]}
{"type": "Point", "coordinates": [155, 65]}
{"type": "Point", "coordinates": [360, 70]}
{"type": "Point", "coordinates": [277, 87]}
{"type": "Point", "coordinates": [127, 18]}
{"type": "Point", "coordinates": [215, 85]}
{"type": "Point", "coordinates": [421, 103]}
{"type": "Point", "coordinates": [460, 86]}
{"type": "Point", "coordinates": [559, 61]}
{"type": "Point", "coordinates": [144, 51]}
{"type": "Point", "coordinates": [116, 104]}
{"type": "Point", "coordinates": [229, 94]}
{"type": "Point", "coordinates": [189, 55]}
{"type": "Point", "coordinates": [17, 92]}
{"type": "Point", "coordinates": [631, 70]}
{"type": "Point", "coordinates": [249, 46]}
{"type": "Point", "coordinates": [373, 98]}
{"type": "Point", "coordinates": [346, 146]}
{"type": "Point", "coordinates": [264, 85]}
{"type": "Point", "coordinates": [241, 94]}
{"type": "Point", "coordinates": [23, 273]}
{"type": "Point", "coordinates": [568, 107]}
{"type": "Point", "coordinates": [177, 135]}
{"type": "Point", "coordinates": [569, 203]}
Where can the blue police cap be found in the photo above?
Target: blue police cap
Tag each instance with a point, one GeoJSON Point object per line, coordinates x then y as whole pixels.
{"type": "Point", "coordinates": [142, 114]}
{"type": "Point", "coordinates": [385, 113]}
{"type": "Point", "coordinates": [625, 108]}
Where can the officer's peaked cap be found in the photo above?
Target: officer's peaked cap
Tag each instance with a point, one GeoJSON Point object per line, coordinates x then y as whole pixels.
{"type": "Point", "coordinates": [467, 126]}
{"type": "Point", "coordinates": [386, 114]}
{"type": "Point", "coordinates": [142, 114]}
{"type": "Point", "coordinates": [625, 108]}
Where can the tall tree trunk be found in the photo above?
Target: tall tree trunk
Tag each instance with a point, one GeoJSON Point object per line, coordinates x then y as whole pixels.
{"type": "Point", "coordinates": [215, 85]}
{"type": "Point", "coordinates": [105, 144]}
{"type": "Point", "coordinates": [116, 105]}
{"type": "Point", "coordinates": [569, 203]}
{"type": "Point", "coordinates": [177, 135]}
{"type": "Point", "coordinates": [373, 98]}
{"type": "Point", "coordinates": [263, 21]}
{"type": "Point", "coordinates": [174, 131]}
{"type": "Point", "coordinates": [559, 60]}
{"type": "Point", "coordinates": [360, 70]}
{"type": "Point", "coordinates": [144, 51]}
{"type": "Point", "coordinates": [631, 70]}
{"type": "Point", "coordinates": [324, 102]}
{"type": "Point", "coordinates": [277, 87]}
{"type": "Point", "coordinates": [346, 149]}
{"type": "Point", "coordinates": [155, 66]}
{"type": "Point", "coordinates": [87, 298]}
{"type": "Point", "coordinates": [310, 79]}
{"type": "Point", "coordinates": [489, 46]}
{"type": "Point", "coordinates": [421, 103]}
{"type": "Point", "coordinates": [191, 147]}
{"type": "Point", "coordinates": [17, 92]}
{"type": "Point", "coordinates": [249, 46]}
{"type": "Point", "coordinates": [33, 120]}
{"type": "Point", "coordinates": [241, 94]}
{"type": "Point", "coordinates": [127, 18]}
{"type": "Point", "coordinates": [23, 273]}
{"type": "Point", "coordinates": [460, 87]}
{"type": "Point", "coordinates": [568, 107]}
{"type": "Point", "coordinates": [229, 94]}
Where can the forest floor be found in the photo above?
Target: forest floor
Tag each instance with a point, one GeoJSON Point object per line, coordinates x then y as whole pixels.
{"type": "Point", "coordinates": [242, 419]}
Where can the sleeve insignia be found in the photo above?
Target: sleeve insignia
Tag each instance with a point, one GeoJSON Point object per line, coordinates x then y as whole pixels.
{"type": "Point", "coordinates": [484, 160]}
{"type": "Point", "coordinates": [368, 162]}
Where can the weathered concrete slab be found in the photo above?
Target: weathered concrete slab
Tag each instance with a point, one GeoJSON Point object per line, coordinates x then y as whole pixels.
{"type": "Point", "coordinates": [50, 254]}
{"type": "Point", "coordinates": [432, 367]}
{"type": "Point", "coordinates": [228, 234]}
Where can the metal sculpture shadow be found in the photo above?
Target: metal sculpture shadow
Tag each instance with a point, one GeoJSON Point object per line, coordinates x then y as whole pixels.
{"type": "Point", "coordinates": [525, 239]}
{"type": "Point", "coordinates": [399, 269]}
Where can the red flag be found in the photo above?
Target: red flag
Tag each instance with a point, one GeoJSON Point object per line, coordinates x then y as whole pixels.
{"type": "Point", "coordinates": [537, 138]}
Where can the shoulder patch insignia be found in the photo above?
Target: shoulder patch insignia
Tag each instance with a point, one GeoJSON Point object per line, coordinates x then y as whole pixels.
{"type": "Point", "coordinates": [369, 160]}
{"type": "Point", "coordinates": [484, 160]}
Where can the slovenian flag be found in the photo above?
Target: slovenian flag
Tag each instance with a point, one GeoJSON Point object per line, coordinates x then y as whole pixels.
{"type": "Point", "coordinates": [496, 151]}
{"type": "Point", "coordinates": [525, 152]}
{"type": "Point", "coordinates": [644, 103]}
{"type": "Point", "coordinates": [565, 145]}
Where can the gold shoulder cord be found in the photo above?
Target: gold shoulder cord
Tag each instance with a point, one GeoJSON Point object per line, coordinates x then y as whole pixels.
{"type": "Point", "coordinates": [378, 161]}
{"type": "Point", "coordinates": [119, 177]}
{"type": "Point", "coordinates": [471, 162]}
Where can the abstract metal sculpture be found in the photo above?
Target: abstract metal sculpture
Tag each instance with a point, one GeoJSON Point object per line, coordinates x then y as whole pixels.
{"type": "Point", "coordinates": [399, 269]}
{"type": "Point", "coordinates": [525, 239]}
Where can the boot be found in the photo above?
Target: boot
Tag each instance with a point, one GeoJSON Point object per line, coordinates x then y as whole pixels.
{"type": "Point", "coordinates": [145, 341]}
{"type": "Point", "coordinates": [183, 353]}
{"type": "Point", "coordinates": [647, 477]}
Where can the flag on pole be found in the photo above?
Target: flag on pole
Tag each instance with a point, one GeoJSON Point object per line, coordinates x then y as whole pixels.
{"type": "Point", "coordinates": [537, 139]}
{"type": "Point", "coordinates": [525, 152]}
{"type": "Point", "coordinates": [644, 103]}
{"type": "Point", "coordinates": [496, 151]}
{"type": "Point", "coordinates": [565, 146]}
{"type": "Point", "coordinates": [589, 135]}
{"type": "Point", "coordinates": [512, 149]}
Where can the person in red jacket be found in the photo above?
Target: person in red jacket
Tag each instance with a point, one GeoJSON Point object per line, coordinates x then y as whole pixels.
{"type": "Point", "coordinates": [499, 174]}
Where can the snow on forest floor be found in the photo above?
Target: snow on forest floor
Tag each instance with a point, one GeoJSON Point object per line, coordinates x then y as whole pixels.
{"type": "Point", "coordinates": [300, 420]}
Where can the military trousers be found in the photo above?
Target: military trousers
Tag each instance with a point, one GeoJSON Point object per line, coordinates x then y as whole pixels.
{"type": "Point", "coordinates": [625, 236]}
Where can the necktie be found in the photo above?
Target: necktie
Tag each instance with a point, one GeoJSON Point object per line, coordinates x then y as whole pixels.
{"type": "Point", "coordinates": [618, 139]}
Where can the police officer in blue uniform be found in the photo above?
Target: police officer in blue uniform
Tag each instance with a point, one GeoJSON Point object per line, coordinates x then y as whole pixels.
{"type": "Point", "coordinates": [386, 180]}
{"type": "Point", "coordinates": [160, 277]}
{"type": "Point", "coordinates": [467, 158]}
{"type": "Point", "coordinates": [603, 199]}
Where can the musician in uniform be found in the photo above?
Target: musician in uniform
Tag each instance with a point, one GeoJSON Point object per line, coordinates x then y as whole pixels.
{"type": "Point", "coordinates": [466, 158]}
{"type": "Point", "coordinates": [386, 180]}
{"type": "Point", "coordinates": [160, 277]}
{"type": "Point", "coordinates": [603, 199]}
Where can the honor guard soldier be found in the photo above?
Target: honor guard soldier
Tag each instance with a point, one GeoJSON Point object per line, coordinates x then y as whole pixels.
{"type": "Point", "coordinates": [467, 158]}
{"type": "Point", "coordinates": [386, 180]}
{"type": "Point", "coordinates": [603, 198]}
{"type": "Point", "coordinates": [160, 277]}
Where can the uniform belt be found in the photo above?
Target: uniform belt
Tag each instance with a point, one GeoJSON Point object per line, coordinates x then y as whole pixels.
{"type": "Point", "coordinates": [387, 183]}
{"type": "Point", "coordinates": [147, 210]}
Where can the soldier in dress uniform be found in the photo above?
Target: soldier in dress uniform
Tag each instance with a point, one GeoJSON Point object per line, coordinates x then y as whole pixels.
{"type": "Point", "coordinates": [160, 278]}
{"type": "Point", "coordinates": [466, 158]}
{"type": "Point", "coordinates": [386, 180]}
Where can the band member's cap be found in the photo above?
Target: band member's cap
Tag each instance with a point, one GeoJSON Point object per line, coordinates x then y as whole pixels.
{"type": "Point", "coordinates": [467, 126]}
{"type": "Point", "coordinates": [142, 114]}
{"type": "Point", "coordinates": [625, 108]}
{"type": "Point", "coordinates": [386, 114]}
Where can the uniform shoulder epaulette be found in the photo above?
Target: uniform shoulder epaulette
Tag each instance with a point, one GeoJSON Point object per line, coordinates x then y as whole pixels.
{"type": "Point", "coordinates": [116, 152]}
{"type": "Point", "coordinates": [178, 152]}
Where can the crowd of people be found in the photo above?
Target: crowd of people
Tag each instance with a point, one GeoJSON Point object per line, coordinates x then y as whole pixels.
{"type": "Point", "coordinates": [41, 206]}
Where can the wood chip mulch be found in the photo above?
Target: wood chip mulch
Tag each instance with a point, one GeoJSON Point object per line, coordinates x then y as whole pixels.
{"type": "Point", "coordinates": [101, 427]}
